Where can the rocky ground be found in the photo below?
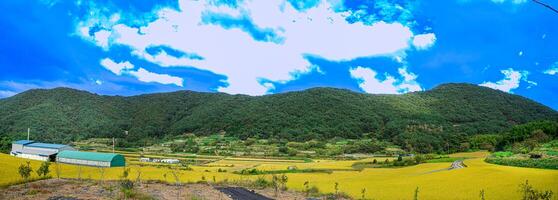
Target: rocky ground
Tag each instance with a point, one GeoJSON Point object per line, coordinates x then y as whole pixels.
{"type": "Point", "coordinates": [63, 189]}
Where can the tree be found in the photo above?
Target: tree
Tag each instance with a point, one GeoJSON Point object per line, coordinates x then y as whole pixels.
{"type": "Point", "coordinates": [336, 187]}
{"type": "Point", "coordinates": [44, 169]}
{"type": "Point", "coordinates": [102, 173]}
{"type": "Point", "coordinates": [530, 193]}
{"type": "Point", "coordinates": [25, 171]}
{"type": "Point", "coordinates": [307, 188]}
{"type": "Point", "coordinates": [57, 170]}
{"type": "Point", "coordinates": [5, 144]}
{"type": "Point", "coordinates": [138, 178]}
{"type": "Point", "coordinates": [283, 180]}
{"type": "Point", "coordinates": [283, 150]}
{"type": "Point", "coordinates": [125, 173]}
{"type": "Point", "coordinates": [275, 184]}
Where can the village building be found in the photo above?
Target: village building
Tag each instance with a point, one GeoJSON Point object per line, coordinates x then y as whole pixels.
{"type": "Point", "coordinates": [94, 159]}
{"type": "Point", "coordinates": [36, 150]}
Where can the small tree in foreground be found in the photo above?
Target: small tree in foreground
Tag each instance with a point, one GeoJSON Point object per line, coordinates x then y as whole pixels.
{"type": "Point", "coordinates": [57, 169]}
{"type": "Point", "coordinates": [416, 194]}
{"type": "Point", "coordinates": [336, 187]}
{"type": "Point", "coordinates": [307, 188]}
{"type": "Point", "coordinates": [283, 179]}
{"type": "Point", "coordinates": [530, 193]}
{"type": "Point", "coordinates": [25, 170]}
{"type": "Point", "coordinates": [44, 169]}
{"type": "Point", "coordinates": [275, 183]}
{"type": "Point", "coordinates": [102, 174]}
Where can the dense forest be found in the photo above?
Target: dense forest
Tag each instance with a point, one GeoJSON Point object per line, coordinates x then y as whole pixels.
{"type": "Point", "coordinates": [441, 118]}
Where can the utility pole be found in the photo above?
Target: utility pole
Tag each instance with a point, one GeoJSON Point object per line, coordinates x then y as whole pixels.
{"type": "Point", "coordinates": [28, 131]}
{"type": "Point", "coordinates": [112, 144]}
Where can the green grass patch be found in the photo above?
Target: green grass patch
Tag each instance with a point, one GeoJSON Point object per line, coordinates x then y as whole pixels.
{"type": "Point", "coordinates": [502, 154]}
{"type": "Point", "coordinates": [445, 159]}
{"type": "Point", "coordinates": [552, 153]}
{"type": "Point", "coordinates": [545, 163]}
{"type": "Point", "coordinates": [287, 171]}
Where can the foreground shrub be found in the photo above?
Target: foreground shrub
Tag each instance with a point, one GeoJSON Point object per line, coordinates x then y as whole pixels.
{"type": "Point", "coordinates": [530, 193]}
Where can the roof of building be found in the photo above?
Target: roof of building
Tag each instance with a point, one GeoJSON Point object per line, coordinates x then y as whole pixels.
{"type": "Point", "coordinates": [36, 152]}
{"type": "Point", "coordinates": [45, 145]}
{"type": "Point", "coordinates": [23, 142]}
{"type": "Point", "coordinates": [95, 156]}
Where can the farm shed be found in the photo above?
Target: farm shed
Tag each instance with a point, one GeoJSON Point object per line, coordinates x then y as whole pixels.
{"type": "Point", "coordinates": [36, 150]}
{"type": "Point", "coordinates": [91, 159]}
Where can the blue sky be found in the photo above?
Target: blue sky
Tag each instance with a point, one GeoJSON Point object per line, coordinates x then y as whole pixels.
{"type": "Point", "coordinates": [263, 47]}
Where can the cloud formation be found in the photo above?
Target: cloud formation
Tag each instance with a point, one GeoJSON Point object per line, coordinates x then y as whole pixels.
{"type": "Point", "coordinates": [6, 93]}
{"type": "Point", "coordinates": [116, 68]}
{"type": "Point", "coordinates": [553, 70]}
{"type": "Point", "coordinates": [141, 74]}
{"type": "Point", "coordinates": [512, 1]}
{"type": "Point", "coordinates": [255, 44]}
{"type": "Point", "coordinates": [424, 41]}
{"type": "Point", "coordinates": [511, 81]}
{"type": "Point", "coordinates": [150, 77]}
{"type": "Point", "coordinates": [370, 82]}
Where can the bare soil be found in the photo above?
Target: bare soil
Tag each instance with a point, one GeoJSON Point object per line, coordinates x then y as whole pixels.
{"type": "Point", "coordinates": [54, 189]}
{"type": "Point", "coordinates": [65, 189]}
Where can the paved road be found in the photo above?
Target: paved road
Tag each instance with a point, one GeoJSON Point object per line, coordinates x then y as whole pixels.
{"type": "Point", "coordinates": [458, 164]}
{"type": "Point", "coordinates": [239, 193]}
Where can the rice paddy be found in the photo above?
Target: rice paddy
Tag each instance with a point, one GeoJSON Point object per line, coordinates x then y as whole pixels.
{"type": "Point", "coordinates": [498, 182]}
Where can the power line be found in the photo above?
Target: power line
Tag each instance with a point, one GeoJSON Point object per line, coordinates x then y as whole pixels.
{"type": "Point", "coordinates": [546, 5]}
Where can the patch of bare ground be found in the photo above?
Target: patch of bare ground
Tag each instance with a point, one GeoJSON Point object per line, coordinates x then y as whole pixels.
{"type": "Point", "coordinates": [70, 189]}
{"type": "Point", "coordinates": [64, 189]}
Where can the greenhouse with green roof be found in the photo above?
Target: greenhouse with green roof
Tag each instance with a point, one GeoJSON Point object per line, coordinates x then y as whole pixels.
{"type": "Point", "coordinates": [91, 159]}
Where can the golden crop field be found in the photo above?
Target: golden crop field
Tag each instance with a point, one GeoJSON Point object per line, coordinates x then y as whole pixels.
{"type": "Point", "coordinates": [499, 182]}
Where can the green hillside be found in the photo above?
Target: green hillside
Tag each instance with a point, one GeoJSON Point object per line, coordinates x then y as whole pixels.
{"type": "Point", "coordinates": [436, 119]}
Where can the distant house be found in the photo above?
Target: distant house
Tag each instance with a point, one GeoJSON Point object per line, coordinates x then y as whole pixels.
{"type": "Point", "coordinates": [170, 161]}
{"type": "Point", "coordinates": [36, 150]}
{"type": "Point", "coordinates": [94, 159]}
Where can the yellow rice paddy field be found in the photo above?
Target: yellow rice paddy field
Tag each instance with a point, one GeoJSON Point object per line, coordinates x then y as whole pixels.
{"type": "Point", "coordinates": [499, 182]}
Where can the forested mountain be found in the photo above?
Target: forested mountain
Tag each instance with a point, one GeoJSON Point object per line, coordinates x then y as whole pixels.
{"type": "Point", "coordinates": [440, 118]}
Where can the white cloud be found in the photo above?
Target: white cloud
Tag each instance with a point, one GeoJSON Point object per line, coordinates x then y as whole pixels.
{"type": "Point", "coordinates": [102, 38]}
{"type": "Point", "coordinates": [424, 41]}
{"type": "Point", "coordinates": [6, 93]}
{"type": "Point", "coordinates": [147, 76]}
{"type": "Point", "coordinates": [511, 81]}
{"type": "Point", "coordinates": [233, 52]}
{"type": "Point", "coordinates": [553, 70]}
{"type": "Point", "coordinates": [512, 1]}
{"type": "Point", "coordinates": [98, 82]}
{"type": "Point", "coordinates": [116, 68]}
{"type": "Point", "coordinates": [141, 74]}
{"type": "Point", "coordinates": [370, 83]}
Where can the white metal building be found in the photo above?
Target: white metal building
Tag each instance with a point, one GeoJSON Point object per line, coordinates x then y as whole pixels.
{"type": "Point", "coordinates": [37, 151]}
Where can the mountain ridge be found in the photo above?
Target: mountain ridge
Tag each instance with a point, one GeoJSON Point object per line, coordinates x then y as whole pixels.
{"type": "Point", "coordinates": [445, 114]}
